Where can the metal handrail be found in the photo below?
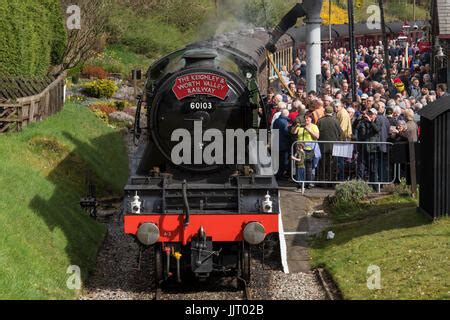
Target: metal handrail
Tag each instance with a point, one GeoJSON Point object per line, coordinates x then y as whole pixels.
{"type": "Point", "coordinates": [366, 143]}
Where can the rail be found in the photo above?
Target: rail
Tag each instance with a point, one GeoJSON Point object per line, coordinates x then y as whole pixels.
{"type": "Point", "coordinates": [335, 162]}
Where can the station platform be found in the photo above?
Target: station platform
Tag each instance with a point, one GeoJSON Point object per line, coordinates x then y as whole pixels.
{"type": "Point", "coordinates": [298, 225]}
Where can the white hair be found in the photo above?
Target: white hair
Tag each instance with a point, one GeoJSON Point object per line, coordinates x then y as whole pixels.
{"type": "Point", "coordinates": [391, 103]}
{"type": "Point", "coordinates": [337, 103]}
{"type": "Point", "coordinates": [418, 106]}
{"type": "Point", "coordinates": [282, 105]}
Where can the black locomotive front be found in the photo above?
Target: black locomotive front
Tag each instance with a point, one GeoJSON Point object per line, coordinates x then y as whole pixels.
{"type": "Point", "coordinates": [197, 86]}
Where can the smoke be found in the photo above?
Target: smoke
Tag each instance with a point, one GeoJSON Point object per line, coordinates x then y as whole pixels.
{"type": "Point", "coordinates": [234, 15]}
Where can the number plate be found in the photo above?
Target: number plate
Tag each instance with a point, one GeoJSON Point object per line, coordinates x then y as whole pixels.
{"type": "Point", "coordinates": [201, 106]}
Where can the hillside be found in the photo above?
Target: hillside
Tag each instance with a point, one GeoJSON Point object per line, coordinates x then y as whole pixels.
{"type": "Point", "coordinates": [140, 32]}
{"type": "Point", "coordinates": [43, 231]}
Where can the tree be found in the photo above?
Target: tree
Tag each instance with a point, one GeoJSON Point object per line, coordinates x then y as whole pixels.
{"type": "Point", "coordinates": [82, 43]}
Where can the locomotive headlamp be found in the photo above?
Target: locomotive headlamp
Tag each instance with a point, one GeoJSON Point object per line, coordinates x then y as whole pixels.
{"type": "Point", "coordinates": [254, 233]}
{"type": "Point", "coordinates": [249, 75]}
{"type": "Point", "coordinates": [148, 234]}
{"type": "Point", "coordinates": [267, 204]}
{"type": "Point", "coordinates": [136, 204]}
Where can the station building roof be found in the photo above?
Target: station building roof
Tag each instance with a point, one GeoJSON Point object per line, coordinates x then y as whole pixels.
{"type": "Point", "coordinates": [341, 31]}
{"type": "Point", "coordinates": [442, 17]}
{"type": "Point", "coordinates": [435, 109]}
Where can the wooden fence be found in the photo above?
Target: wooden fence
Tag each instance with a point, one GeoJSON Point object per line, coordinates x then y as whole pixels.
{"type": "Point", "coordinates": [18, 113]}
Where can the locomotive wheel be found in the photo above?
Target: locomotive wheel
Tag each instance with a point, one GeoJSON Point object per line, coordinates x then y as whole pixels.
{"type": "Point", "coordinates": [245, 263]}
{"type": "Point", "coordinates": [272, 247]}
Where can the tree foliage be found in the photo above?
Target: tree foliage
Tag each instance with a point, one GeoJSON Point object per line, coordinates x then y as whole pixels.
{"type": "Point", "coordinates": [264, 13]}
{"type": "Point", "coordinates": [338, 14]}
{"type": "Point", "coordinates": [32, 36]}
{"type": "Point", "coordinates": [154, 27]}
{"type": "Point", "coordinates": [83, 43]}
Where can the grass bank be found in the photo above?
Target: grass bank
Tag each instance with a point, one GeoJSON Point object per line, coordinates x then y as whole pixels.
{"type": "Point", "coordinates": [411, 251]}
{"type": "Point", "coordinates": [120, 59]}
{"type": "Point", "coordinates": [43, 231]}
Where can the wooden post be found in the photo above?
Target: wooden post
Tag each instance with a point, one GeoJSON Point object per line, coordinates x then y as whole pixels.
{"type": "Point", "coordinates": [47, 105]}
{"type": "Point", "coordinates": [269, 57]}
{"type": "Point", "coordinates": [32, 111]}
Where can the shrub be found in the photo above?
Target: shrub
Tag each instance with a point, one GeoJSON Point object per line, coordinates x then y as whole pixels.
{"type": "Point", "coordinates": [76, 79]}
{"type": "Point", "coordinates": [105, 108]}
{"type": "Point", "coordinates": [100, 89]}
{"type": "Point", "coordinates": [94, 72]}
{"type": "Point", "coordinates": [101, 115]}
{"type": "Point", "coordinates": [32, 36]}
{"type": "Point", "coordinates": [121, 105]}
{"type": "Point", "coordinates": [352, 191]}
{"type": "Point", "coordinates": [401, 190]}
{"type": "Point", "coordinates": [75, 98]}
{"type": "Point", "coordinates": [75, 71]}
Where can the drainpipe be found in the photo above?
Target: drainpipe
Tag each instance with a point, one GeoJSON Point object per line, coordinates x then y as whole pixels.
{"type": "Point", "coordinates": [313, 44]}
{"type": "Point", "coordinates": [311, 9]}
{"type": "Point", "coordinates": [447, 44]}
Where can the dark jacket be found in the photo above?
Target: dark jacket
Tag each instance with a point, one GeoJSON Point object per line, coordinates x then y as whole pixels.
{"type": "Point", "coordinates": [330, 130]}
{"type": "Point", "coordinates": [385, 127]}
{"type": "Point", "coordinates": [282, 124]}
{"type": "Point", "coordinates": [296, 79]}
{"type": "Point", "coordinates": [369, 131]}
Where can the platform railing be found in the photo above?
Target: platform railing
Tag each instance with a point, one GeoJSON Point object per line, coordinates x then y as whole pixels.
{"type": "Point", "coordinates": [341, 161]}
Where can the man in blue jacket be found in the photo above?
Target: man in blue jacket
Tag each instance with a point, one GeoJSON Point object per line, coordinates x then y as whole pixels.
{"type": "Point", "coordinates": [282, 125]}
{"type": "Point", "coordinates": [385, 127]}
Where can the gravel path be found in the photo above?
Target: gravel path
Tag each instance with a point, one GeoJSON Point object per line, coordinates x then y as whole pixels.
{"type": "Point", "coordinates": [117, 276]}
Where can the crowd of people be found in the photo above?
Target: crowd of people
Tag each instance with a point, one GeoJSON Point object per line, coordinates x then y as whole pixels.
{"type": "Point", "coordinates": [385, 110]}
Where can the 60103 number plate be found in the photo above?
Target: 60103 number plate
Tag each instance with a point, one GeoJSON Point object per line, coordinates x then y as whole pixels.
{"type": "Point", "coordinates": [201, 106]}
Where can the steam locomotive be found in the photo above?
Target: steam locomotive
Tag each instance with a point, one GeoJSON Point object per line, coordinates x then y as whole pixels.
{"type": "Point", "coordinates": [201, 218]}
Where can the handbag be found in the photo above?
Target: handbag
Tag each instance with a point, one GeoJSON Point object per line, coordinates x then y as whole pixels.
{"type": "Point", "coordinates": [309, 154]}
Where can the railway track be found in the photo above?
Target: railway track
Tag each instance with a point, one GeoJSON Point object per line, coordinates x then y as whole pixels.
{"type": "Point", "coordinates": [218, 289]}
{"type": "Point", "coordinates": [118, 276]}
{"type": "Point", "coordinates": [245, 294]}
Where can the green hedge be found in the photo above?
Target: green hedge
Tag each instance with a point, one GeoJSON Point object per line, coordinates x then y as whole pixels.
{"type": "Point", "coordinates": [32, 36]}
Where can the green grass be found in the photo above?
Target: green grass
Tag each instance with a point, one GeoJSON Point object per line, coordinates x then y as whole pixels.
{"type": "Point", "coordinates": [120, 59]}
{"type": "Point", "coordinates": [43, 231]}
{"type": "Point", "coordinates": [411, 251]}
{"type": "Point", "coordinates": [345, 212]}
